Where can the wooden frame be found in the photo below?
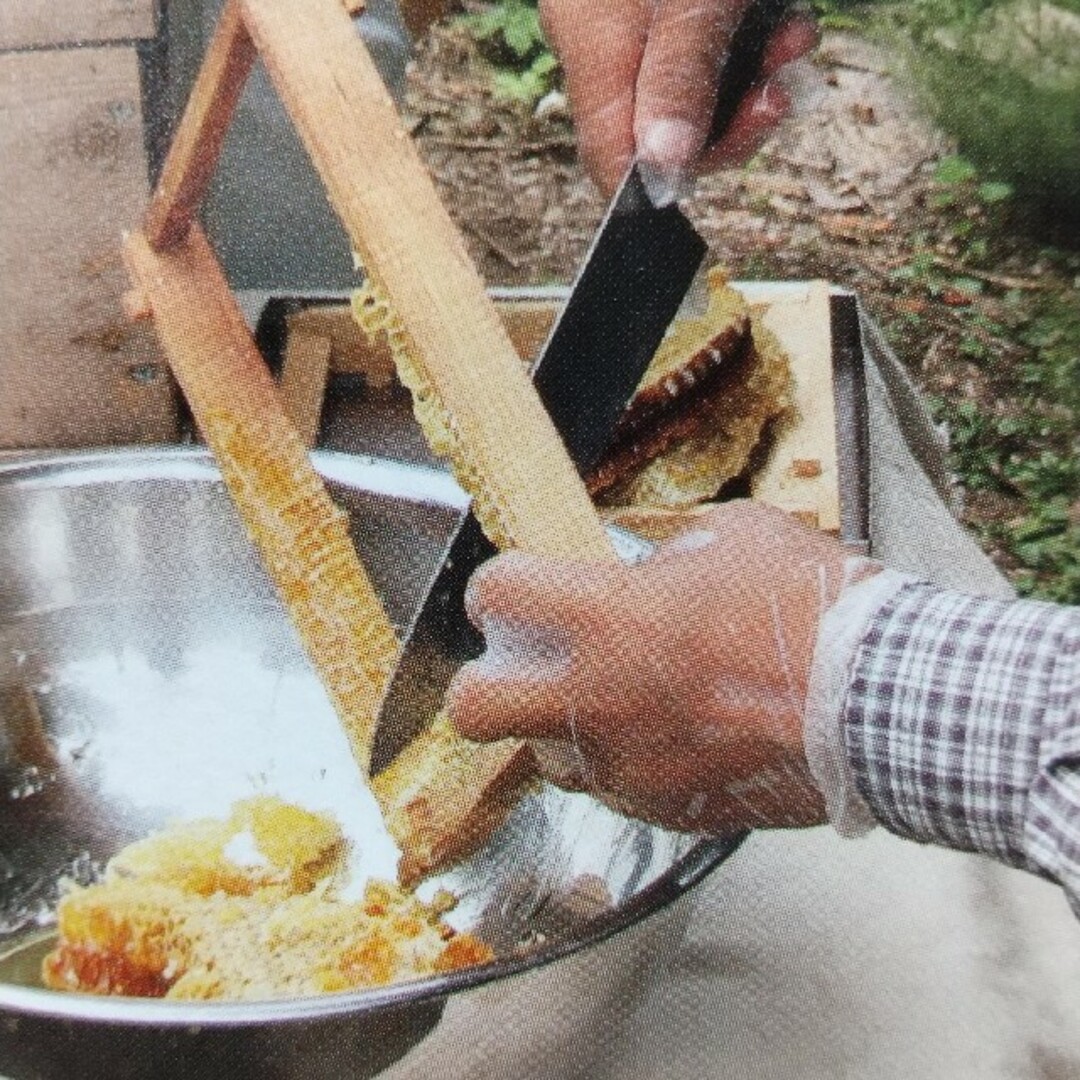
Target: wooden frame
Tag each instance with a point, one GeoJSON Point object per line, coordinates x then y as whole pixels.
{"type": "Point", "coordinates": [408, 243]}
{"type": "Point", "coordinates": [392, 213]}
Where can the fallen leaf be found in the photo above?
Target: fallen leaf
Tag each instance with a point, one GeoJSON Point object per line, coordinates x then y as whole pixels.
{"type": "Point", "coordinates": [956, 298]}
{"type": "Point", "coordinates": [774, 184]}
{"type": "Point", "coordinates": [911, 305]}
{"type": "Point", "coordinates": [860, 227]}
{"type": "Point", "coordinates": [837, 202]}
{"type": "Point", "coordinates": [864, 113]}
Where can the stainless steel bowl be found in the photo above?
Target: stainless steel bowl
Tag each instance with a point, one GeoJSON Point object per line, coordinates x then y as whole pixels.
{"type": "Point", "coordinates": [149, 674]}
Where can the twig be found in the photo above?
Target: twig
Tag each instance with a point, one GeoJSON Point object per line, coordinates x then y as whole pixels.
{"type": "Point", "coordinates": [1001, 280]}
{"type": "Point", "coordinates": [512, 146]}
{"type": "Point", "coordinates": [516, 262]}
{"type": "Point", "coordinates": [931, 354]}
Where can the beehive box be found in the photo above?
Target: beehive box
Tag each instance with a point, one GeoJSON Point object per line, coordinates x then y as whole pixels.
{"type": "Point", "coordinates": [817, 465]}
{"type": "Point", "coordinates": [73, 171]}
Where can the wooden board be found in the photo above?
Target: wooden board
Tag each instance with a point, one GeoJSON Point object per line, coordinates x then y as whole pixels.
{"type": "Point", "coordinates": [73, 370]}
{"type": "Point", "coordinates": [352, 351]}
{"type": "Point", "coordinates": [24, 23]}
{"type": "Point", "coordinates": [801, 475]}
{"type": "Point", "coordinates": [326, 338]}
{"type": "Point", "coordinates": [303, 381]}
{"type": "Point", "coordinates": [302, 537]}
{"type": "Point", "coordinates": [527, 323]}
{"type": "Point", "coordinates": [196, 146]}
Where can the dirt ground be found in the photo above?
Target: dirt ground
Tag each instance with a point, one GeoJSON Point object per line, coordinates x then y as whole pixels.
{"type": "Point", "coordinates": [848, 170]}
{"type": "Point", "coordinates": [846, 191]}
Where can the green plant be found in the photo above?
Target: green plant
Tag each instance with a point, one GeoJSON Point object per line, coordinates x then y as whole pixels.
{"type": "Point", "coordinates": [1001, 77]}
{"type": "Point", "coordinates": [836, 15]}
{"type": "Point", "coordinates": [510, 36]}
{"type": "Point", "coordinates": [1025, 445]}
{"type": "Point", "coordinates": [530, 85]}
{"type": "Point", "coordinates": [954, 170]}
{"type": "Point", "coordinates": [841, 14]}
{"type": "Point", "coordinates": [1053, 370]}
{"type": "Point", "coordinates": [1047, 544]}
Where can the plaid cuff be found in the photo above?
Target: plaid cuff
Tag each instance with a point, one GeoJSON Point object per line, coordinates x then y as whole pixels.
{"type": "Point", "coordinates": [962, 725]}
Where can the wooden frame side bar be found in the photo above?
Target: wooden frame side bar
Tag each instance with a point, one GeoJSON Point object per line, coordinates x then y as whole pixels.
{"type": "Point", "coordinates": [200, 136]}
{"type": "Point", "coordinates": [302, 537]}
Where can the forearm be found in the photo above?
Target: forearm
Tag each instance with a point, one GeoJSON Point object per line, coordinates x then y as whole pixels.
{"type": "Point", "coordinates": [959, 723]}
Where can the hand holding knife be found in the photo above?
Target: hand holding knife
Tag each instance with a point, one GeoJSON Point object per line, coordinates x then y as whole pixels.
{"type": "Point", "coordinates": [634, 278]}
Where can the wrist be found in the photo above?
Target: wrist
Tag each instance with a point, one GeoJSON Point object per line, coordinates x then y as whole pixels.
{"type": "Point", "coordinates": [865, 589]}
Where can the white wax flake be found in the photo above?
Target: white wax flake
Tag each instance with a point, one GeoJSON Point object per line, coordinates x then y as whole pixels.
{"type": "Point", "coordinates": [243, 850]}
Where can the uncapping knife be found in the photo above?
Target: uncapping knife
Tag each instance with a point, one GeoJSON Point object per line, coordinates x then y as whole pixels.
{"type": "Point", "coordinates": [642, 261]}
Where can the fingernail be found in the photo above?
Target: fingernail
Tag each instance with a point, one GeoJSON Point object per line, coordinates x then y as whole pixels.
{"type": "Point", "coordinates": [666, 154]}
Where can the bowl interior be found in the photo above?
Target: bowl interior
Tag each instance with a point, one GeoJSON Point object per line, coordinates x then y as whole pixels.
{"type": "Point", "coordinates": [149, 674]}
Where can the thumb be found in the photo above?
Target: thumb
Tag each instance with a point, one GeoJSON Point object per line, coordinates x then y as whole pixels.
{"type": "Point", "coordinates": [676, 88]}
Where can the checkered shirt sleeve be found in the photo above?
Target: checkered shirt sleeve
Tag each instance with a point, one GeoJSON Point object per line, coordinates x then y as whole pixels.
{"type": "Point", "coordinates": [962, 726]}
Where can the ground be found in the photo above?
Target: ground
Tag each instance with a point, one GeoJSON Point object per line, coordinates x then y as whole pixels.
{"type": "Point", "coordinates": [858, 188]}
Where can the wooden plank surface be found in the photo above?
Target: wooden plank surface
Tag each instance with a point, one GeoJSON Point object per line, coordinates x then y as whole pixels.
{"type": "Point", "coordinates": [390, 208]}
{"type": "Point", "coordinates": [352, 352]}
{"type": "Point", "coordinates": [73, 370]}
{"type": "Point", "coordinates": [302, 537]}
{"type": "Point", "coordinates": [303, 381]}
{"type": "Point", "coordinates": [527, 323]}
{"type": "Point", "coordinates": [801, 475]}
{"type": "Point", "coordinates": [26, 23]}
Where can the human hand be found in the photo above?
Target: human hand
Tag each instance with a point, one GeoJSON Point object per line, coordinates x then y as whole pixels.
{"type": "Point", "coordinates": [644, 74]}
{"type": "Point", "coordinates": [674, 689]}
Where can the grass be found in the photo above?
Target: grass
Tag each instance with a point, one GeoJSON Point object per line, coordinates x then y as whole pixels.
{"type": "Point", "coordinates": [509, 35]}
{"type": "Point", "coordinates": [1025, 447]}
{"type": "Point", "coordinates": [1006, 380]}
{"type": "Point", "coordinates": [1018, 124]}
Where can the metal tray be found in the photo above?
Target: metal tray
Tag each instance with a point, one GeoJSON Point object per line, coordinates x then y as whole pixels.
{"type": "Point", "coordinates": [352, 421]}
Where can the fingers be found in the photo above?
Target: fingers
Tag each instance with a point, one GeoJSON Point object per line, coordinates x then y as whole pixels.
{"type": "Point", "coordinates": [563, 763]}
{"type": "Point", "coordinates": [644, 73]}
{"type": "Point", "coordinates": [796, 36]}
{"type": "Point", "coordinates": [677, 84]}
{"type": "Point", "coordinates": [754, 121]}
{"type": "Point", "coordinates": [600, 45]}
{"type": "Point", "coordinates": [678, 87]}
{"type": "Point", "coordinates": [527, 590]}
{"type": "Point", "coordinates": [533, 612]}
{"type": "Point", "coordinates": [765, 106]}
{"type": "Point", "coordinates": [511, 704]}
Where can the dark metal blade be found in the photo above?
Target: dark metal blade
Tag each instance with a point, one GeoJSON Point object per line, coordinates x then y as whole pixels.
{"type": "Point", "coordinates": [633, 280]}
{"type": "Point", "coordinates": [628, 291]}
{"type": "Point", "coordinates": [438, 642]}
